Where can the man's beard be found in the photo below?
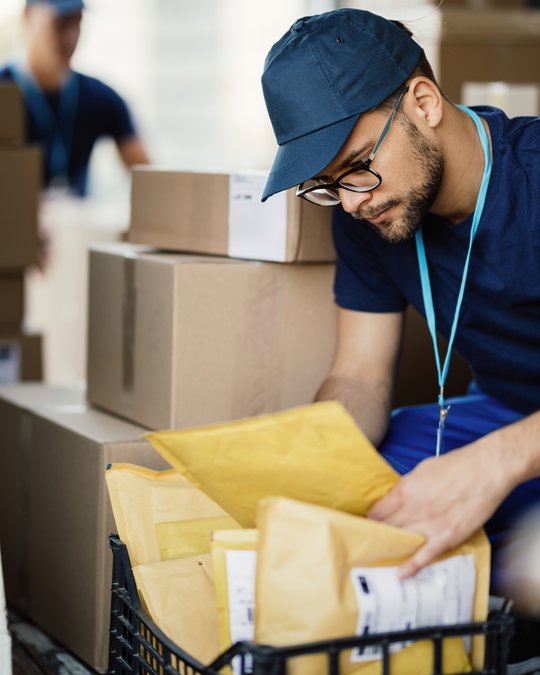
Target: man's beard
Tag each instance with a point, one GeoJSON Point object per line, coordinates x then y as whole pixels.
{"type": "Point", "coordinates": [418, 200]}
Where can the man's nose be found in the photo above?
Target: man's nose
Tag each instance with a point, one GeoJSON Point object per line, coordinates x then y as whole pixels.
{"type": "Point", "coordinates": [352, 201]}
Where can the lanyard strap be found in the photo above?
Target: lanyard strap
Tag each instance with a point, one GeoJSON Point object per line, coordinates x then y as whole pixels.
{"type": "Point", "coordinates": [422, 262]}
{"type": "Point", "coordinates": [57, 133]}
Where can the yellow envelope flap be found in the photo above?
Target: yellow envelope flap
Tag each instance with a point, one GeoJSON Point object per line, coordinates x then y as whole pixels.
{"type": "Point", "coordinates": [314, 453]}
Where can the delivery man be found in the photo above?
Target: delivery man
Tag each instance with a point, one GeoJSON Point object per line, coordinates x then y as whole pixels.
{"type": "Point", "coordinates": [67, 111]}
{"type": "Point", "coordinates": [438, 206]}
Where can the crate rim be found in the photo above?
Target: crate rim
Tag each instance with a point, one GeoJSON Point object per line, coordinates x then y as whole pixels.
{"type": "Point", "coordinates": [499, 622]}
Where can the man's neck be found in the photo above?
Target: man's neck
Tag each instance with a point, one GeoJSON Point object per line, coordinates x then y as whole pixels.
{"type": "Point", "coordinates": [463, 169]}
{"type": "Point", "coordinates": [50, 77]}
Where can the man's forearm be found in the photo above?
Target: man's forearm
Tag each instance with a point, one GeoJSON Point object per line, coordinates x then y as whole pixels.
{"type": "Point", "coordinates": [516, 448]}
{"type": "Point", "coordinates": [368, 403]}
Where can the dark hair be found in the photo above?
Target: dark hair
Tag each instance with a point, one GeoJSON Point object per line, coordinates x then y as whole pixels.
{"type": "Point", "coordinates": [423, 69]}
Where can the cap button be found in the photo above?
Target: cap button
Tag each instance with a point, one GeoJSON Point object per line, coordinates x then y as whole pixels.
{"type": "Point", "coordinates": [298, 25]}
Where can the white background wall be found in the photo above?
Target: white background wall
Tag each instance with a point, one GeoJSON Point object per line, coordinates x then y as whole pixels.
{"type": "Point", "coordinates": [190, 71]}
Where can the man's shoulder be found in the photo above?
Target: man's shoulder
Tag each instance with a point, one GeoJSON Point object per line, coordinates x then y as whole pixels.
{"type": "Point", "coordinates": [524, 133]}
{"type": "Point", "coordinates": [94, 87]}
{"type": "Point", "coordinates": [518, 133]}
{"type": "Point", "coordinates": [108, 111]}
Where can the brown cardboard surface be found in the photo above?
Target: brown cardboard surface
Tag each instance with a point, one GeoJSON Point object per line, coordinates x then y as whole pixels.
{"type": "Point", "coordinates": [15, 403]}
{"type": "Point", "coordinates": [488, 46]}
{"type": "Point", "coordinates": [21, 357]}
{"type": "Point", "coordinates": [178, 340]}
{"type": "Point", "coordinates": [54, 450]}
{"type": "Point", "coordinates": [20, 180]}
{"type": "Point", "coordinates": [186, 211]}
{"type": "Point", "coordinates": [11, 299]}
{"type": "Point", "coordinates": [11, 115]}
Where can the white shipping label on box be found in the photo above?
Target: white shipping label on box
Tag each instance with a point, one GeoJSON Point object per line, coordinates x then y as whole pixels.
{"type": "Point", "coordinates": [241, 567]}
{"type": "Point", "coordinates": [10, 362]}
{"type": "Point", "coordinates": [439, 594]}
{"type": "Point", "coordinates": [256, 230]}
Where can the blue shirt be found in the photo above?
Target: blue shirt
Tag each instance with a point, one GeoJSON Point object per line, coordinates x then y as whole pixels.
{"type": "Point", "coordinates": [499, 326]}
{"type": "Point", "coordinates": [100, 112]}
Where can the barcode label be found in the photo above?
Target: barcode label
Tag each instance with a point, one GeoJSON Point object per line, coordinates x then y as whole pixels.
{"type": "Point", "coordinates": [440, 594]}
{"type": "Point", "coordinates": [241, 595]}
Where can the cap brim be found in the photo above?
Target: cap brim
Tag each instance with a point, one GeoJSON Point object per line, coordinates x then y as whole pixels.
{"type": "Point", "coordinates": [68, 7]}
{"type": "Point", "coordinates": [305, 157]}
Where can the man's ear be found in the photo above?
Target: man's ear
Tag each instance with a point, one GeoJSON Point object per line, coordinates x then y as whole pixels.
{"type": "Point", "coordinates": [425, 102]}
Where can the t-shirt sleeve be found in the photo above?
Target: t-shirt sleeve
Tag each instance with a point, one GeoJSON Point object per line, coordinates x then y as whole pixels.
{"type": "Point", "coordinates": [116, 117]}
{"type": "Point", "coordinates": [362, 282]}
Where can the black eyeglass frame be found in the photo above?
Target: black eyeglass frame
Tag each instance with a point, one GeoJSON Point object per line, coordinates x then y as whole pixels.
{"type": "Point", "coordinates": [364, 165]}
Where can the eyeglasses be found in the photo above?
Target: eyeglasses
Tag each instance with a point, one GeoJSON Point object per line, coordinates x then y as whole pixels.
{"type": "Point", "coordinates": [359, 178]}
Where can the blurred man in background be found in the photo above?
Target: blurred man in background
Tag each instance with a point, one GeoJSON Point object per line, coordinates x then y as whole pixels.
{"type": "Point", "coordinates": [67, 111]}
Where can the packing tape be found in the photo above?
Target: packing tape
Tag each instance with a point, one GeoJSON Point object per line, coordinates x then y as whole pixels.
{"type": "Point", "coordinates": [129, 308]}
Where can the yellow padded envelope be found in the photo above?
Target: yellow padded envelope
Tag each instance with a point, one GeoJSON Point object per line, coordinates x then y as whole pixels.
{"type": "Point", "coordinates": [160, 515]}
{"type": "Point", "coordinates": [180, 597]}
{"type": "Point", "coordinates": [305, 592]}
{"type": "Point", "coordinates": [314, 453]}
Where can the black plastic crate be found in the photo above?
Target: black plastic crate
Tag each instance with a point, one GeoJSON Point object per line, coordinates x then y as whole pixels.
{"type": "Point", "coordinates": [138, 647]}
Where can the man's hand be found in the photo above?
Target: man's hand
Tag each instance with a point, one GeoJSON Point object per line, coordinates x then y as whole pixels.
{"type": "Point", "coordinates": [446, 498]}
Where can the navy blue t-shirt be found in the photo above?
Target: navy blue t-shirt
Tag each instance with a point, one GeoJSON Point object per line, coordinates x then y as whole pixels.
{"type": "Point", "coordinates": [100, 112]}
{"type": "Point", "coordinates": [499, 326]}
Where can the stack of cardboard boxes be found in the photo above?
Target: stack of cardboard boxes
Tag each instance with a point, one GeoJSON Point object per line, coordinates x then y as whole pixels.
{"type": "Point", "coordinates": [175, 339]}
{"type": "Point", "coordinates": [20, 175]}
{"type": "Point", "coordinates": [183, 339]}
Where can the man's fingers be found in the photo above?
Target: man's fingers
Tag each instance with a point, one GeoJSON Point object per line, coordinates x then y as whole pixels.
{"type": "Point", "coordinates": [384, 508]}
{"type": "Point", "coordinates": [426, 554]}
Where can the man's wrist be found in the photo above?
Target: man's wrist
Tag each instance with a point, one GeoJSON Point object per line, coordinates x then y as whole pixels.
{"type": "Point", "coordinates": [508, 450]}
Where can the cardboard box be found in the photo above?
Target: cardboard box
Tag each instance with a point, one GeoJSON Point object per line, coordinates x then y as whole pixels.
{"type": "Point", "coordinates": [178, 340]}
{"type": "Point", "coordinates": [11, 115]}
{"type": "Point", "coordinates": [221, 214]}
{"type": "Point", "coordinates": [20, 183]}
{"type": "Point", "coordinates": [21, 357]}
{"type": "Point", "coordinates": [15, 403]}
{"type": "Point", "coordinates": [11, 300]}
{"type": "Point", "coordinates": [488, 46]}
{"type": "Point", "coordinates": [56, 516]}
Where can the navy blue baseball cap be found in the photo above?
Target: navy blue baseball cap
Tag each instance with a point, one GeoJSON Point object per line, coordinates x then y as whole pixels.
{"type": "Point", "coordinates": [60, 7]}
{"type": "Point", "coordinates": [320, 77]}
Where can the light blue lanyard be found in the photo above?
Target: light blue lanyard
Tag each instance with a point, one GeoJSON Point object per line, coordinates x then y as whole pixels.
{"type": "Point", "coordinates": [426, 284]}
{"type": "Point", "coordinates": [57, 134]}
